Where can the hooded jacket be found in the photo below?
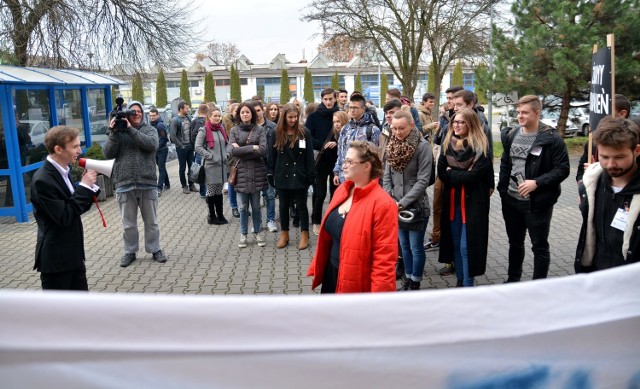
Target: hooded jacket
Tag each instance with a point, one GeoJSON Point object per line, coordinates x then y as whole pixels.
{"type": "Point", "coordinates": [601, 246]}
{"type": "Point", "coordinates": [134, 150]}
{"type": "Point", "coordinates": [549, 168]}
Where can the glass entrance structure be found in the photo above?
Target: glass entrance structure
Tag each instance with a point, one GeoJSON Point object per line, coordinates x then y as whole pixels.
{"type": "Point", "coordinates": [32, 100]}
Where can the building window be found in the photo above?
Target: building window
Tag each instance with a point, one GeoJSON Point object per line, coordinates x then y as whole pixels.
{"type": "Point", "coordinates": [469, 81]}
{"type": "Point", "coordinates": [173, 84]}
{"type": "Point", "coordinates": [33, 120]}
{"type": "Point", "coordinates": [221, 82]}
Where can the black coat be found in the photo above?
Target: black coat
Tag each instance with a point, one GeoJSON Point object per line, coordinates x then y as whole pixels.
{"type": "Point", "coordinates": [476, 187]}
{"type": "Point", "coordinates": [60, 241]}
{"type": "Point", "coordinates": [549, 168]}
{"type": "Point", "coordinates": [292, 168]}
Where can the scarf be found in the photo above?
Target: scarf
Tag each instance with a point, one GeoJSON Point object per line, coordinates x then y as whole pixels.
{"type": "Point", "coordinates": [246, 127]}
{"type": "Point", "coordinates": [327, 112]}
{"type": "Point", "coordinates": [460, 155]}
{"type": "Point", "coordinates": [209, 133]}
{"type": "Point", "coordinates": [400, 152]}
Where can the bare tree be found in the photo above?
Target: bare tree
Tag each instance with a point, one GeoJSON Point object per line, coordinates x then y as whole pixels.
{"type": "Point", "coordinates": [340, 48]}
{"type": "Point", "coordinates": [223, 53]}
{"type": "Point", "coordinates": [458, 30]}
{"type": "Point", "coordinates": [96, 33]}
{"type": "Point", "coordinates": [400, 30]}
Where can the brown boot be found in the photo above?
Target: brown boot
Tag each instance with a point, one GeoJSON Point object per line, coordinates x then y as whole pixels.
{"type": "Point", "coordinates": [304, 240]}
{"type": "Point", "coordinates": [283, 240]}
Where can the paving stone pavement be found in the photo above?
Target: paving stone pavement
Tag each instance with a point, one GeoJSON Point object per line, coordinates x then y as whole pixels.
{"type": "Point", "coordinates": [205, 259]}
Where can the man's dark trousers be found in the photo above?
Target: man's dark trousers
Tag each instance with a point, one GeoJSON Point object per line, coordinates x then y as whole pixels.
{"type": "Point", "coordinates": [518, 220]}
{"type": "Point", "coordinates": [185, 159]}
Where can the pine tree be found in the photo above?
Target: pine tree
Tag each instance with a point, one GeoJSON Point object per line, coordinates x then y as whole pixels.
{"type": "Point", "coordinates": [309, 96]}
{"type": "Point", "coordinates": [184, 88]}
{"type": "Point", "coordinates": [335, 81]}
{"type": "Point", "coordinates": [457, 78]}
{"type": "Point", "coordinates": [431, 80]}
{"type": "Point", "coordinates": [358, 83]}
{"type": "Point", "coordinates": [480, 90]}
{"type": "Point", "coordinates": [161, 90]}
{"type": "Point", "coordinates": [234, 89]}
{"type": "Point", "coordinates": [261, 91]}
{"type": "Point", "coordinates": [285, 93]}
{"type": "Point", "coordinates": [114, 95]}
{"type": "Point", "coordinates": [137, 91]}
{"type": "Point", "coordinates": [384, 87]}
{"type": "Point", "coordinates": [209, 89]}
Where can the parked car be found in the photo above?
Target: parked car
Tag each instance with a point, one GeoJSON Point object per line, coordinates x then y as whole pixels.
{"type": "Point", "coordinates": [550, 118]}
{"type": "Point", "coordinates": [579, 117]}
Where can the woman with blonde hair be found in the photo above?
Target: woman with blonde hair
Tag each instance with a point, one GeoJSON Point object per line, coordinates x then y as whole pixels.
{"type": "Point", "coordinates": [358, 242]}
{"type": "Point", "coordinates": [291, 171]}
{"type": "Point", "coordinates": [467, 177]}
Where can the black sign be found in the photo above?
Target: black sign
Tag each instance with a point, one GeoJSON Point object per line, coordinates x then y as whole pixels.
{"type": "Point", "coordinates": [601, 98]}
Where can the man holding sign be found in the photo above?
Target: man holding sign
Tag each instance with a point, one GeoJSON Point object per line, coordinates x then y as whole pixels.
{"type": "Point", "coordinates": [610, 204]}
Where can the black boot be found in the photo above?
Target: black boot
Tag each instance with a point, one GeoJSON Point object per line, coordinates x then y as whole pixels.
{"type": "Point", "coordinates": [217, 199]}
{"type": "Point", "coordinates": [211, 218]}
{"type": "Point", "coordinates": [415, 285]}
{"type": "Point", "coordinates": [405, 284]}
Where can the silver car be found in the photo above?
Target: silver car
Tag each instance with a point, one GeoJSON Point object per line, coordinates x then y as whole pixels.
{"type": "Point", "coordinates": [579, 117]}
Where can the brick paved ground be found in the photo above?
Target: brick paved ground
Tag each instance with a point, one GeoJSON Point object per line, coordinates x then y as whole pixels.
{"type": "Point", "coordinates": [205, 259]}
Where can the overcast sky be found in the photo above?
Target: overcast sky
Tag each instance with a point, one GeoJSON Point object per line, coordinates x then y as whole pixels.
{"type": "Point", "coordinates": [260, 28]}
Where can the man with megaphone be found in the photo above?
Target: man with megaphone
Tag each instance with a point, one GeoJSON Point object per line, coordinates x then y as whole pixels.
{"type": "Point", "coordinates": [57, 206]}
{"type": "Point", "coordinates": [133, 144]}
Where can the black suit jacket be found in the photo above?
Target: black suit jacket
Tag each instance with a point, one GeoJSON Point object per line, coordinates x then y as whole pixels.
{"type": "Point", "coordinates": [60, 244]}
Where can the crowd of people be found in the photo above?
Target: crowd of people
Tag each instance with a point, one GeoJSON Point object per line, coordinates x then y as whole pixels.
{"type": "Point", "coordinates": [376, 172]}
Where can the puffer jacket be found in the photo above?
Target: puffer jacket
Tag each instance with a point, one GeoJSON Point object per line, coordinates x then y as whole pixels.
{"type": "Point", "coordinates": [368, 256]}
{"type": "Point", "coordinates": [252, 171]}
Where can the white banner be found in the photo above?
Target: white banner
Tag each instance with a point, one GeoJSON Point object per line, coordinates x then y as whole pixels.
{"type": "Point", "coordinates": [572, 332]}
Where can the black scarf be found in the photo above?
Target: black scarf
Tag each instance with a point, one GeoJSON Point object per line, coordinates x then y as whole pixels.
{"type": "Point", "coordinates": [327, 112]}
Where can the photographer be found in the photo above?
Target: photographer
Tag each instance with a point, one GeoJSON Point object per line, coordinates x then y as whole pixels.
{"type": "Point", "coordinates": [133, 144]}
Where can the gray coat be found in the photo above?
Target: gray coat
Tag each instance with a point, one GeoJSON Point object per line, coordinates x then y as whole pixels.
{"type": "Point", "coordinates": [409, 186]}
{"type": "Point", "coordinates": [215, 159]}
{"type": "Point", "coordinates": [134, 150]}
{"type": "Point", "coordinates": [252, 170]}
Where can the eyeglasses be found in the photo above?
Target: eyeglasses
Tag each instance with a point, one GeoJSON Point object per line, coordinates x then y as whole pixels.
{"type": "Point", "coordinates": [348, 162]}
{"type": "Point", "coordinates": [459, 122]}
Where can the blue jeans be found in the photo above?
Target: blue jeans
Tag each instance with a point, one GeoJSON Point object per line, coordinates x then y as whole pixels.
{"type": "Point", "coordinates": [460, 253]}
{"type": "Point", "coordinates": [161, 161]}
{"type": "Point", "coordinates": [185, 159]}
{"type": "Point", "coordinates": [243, 206]}
{"type": "Point", "coordinates": [233, 199]}
{"type": "Point", "coordinates": [413, 256]}
{"type": "Point", "coordinates": [269, 195]}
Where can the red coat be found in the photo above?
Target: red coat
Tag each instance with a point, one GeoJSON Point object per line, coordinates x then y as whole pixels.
{"type": "Point", "coordinates": [369, 243]}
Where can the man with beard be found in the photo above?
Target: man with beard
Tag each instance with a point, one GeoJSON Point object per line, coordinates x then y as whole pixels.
{"type": "Point", "coordinates": [610, 199]}
{"type": "Point", "coordinates": [320, 125]}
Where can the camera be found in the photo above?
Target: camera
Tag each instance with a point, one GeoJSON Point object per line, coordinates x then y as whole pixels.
{"type": "Point", "coordinates": [120, 114]}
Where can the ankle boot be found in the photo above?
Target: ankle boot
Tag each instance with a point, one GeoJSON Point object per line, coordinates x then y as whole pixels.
{"type": "Point", "coordinates": [415, 285]}
{"type": "Point", "coordinates": [211, 217]}
{"type": "Point", "coordinates": [304, 240]}
{"type": "Point", "coordinates": [405, 284]}
{"type": "Point", "coordinates": [217, 199]}
{"type": "Point", "coordinates": [283, 240]}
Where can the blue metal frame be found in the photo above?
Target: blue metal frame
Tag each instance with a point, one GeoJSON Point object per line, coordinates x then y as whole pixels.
{"type": "Point", "coordinates": [15, 171]}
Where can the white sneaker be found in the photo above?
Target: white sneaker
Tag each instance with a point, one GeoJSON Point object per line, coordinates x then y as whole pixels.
{"type": "Point", "coordinates": [260, 239]}
{"type": "Point", "coordinates": [271, 225]}
{"type": "Point", "coordinates": [243, 241]}
{"type": "Point", "coordinates": [225, 188]}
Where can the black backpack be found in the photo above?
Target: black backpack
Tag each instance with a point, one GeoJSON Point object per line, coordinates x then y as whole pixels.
{"type": "Point", "coordinates": [196, 124]}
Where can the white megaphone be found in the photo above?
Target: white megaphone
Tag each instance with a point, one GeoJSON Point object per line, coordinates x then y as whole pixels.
{"type": "Point", "coordinates": [102, 167]}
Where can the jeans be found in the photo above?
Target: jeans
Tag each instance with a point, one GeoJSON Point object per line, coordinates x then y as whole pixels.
{"type": "Point", "coordinates": [185, 159]}
{"type": "Point", "coordinates": [233, 198]}
{"type": "Point", "coordinates": [319, 194]}
{"type": "Point", "coordinates": [243, 206]}
{"type": "Point", "coordinates": [413, 256]}
{"type": "Point", "coordinates": [299, 197]}
{"type": "Point", "coordinates": [147, 201]}
{"type": "Point", "coordinates": [518, 220]}
{"type": "Point", "coordinates": [269, 195]}
{"type": "Point", "coordinates": [161, 161]}
{"type": "Point", "coordinates": [460, 252]}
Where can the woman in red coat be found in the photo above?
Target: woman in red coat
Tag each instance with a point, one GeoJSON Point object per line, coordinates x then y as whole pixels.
{"type": "Point", "coordinates": [358, 242]}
